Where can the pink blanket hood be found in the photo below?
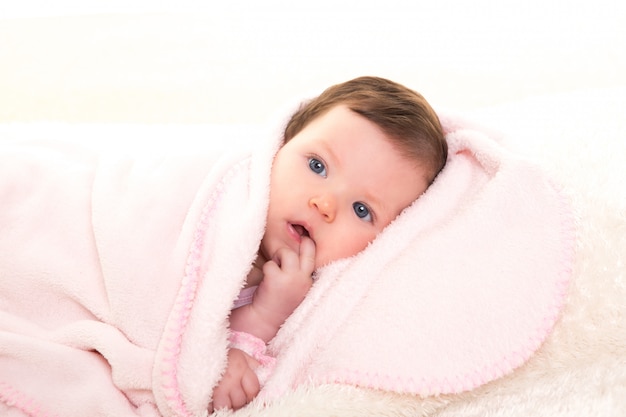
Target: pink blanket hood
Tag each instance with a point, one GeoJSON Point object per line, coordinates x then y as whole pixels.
{"type": "Point", "coordinates": [114, 297]}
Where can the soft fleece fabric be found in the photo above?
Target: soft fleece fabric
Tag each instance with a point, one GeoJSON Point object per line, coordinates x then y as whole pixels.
{"type": "Point", "coordinates": [117, 275]}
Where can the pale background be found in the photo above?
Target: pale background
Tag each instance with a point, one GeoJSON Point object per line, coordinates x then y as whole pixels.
{"type": "Point", "coordinates": [237, 61]}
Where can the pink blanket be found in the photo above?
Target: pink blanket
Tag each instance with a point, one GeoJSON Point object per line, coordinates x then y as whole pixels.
{"type": "Point", "coordinates": [117, 275]}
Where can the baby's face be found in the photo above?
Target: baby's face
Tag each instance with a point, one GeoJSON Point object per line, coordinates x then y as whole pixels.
{"type": "Point", "coordinates": [340, 182]}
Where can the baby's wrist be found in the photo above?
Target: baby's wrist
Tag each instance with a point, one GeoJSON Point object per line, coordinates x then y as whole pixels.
{"type": "Point", "coordinates": [272, 317]}
{"type": "Point", "coordinates": [275, 309]}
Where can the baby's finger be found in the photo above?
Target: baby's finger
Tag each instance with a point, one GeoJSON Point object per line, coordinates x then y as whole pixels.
{"type": "Point", "coordinates": [220, 400]}
{"type": "Point", "coordinates": [250, 385]}
{"type": "Point", "coordinates": [307, 255]}
{"type": "Point", "coordinates": [238, 398]}
{"type": "Point", "coordinates": [287, 259]}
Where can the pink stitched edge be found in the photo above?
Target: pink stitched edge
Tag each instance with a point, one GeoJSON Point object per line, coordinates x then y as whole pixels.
{"type": "Point", "coordinates": [17, 399]}
{"type": "Point", "coordinates": [497, 369]}
{"type": "Point", "coordinates": [186, 297]}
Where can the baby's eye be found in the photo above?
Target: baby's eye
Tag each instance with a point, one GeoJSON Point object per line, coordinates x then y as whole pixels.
{"type": "Point", "coordinates": [362, 211]}
{"type": "Point", "coordinates": [317, 166]}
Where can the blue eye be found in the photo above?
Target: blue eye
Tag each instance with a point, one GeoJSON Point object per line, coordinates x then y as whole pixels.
{"type": "Point", "coordinates": [362, 211]}
{"type": "Point", "coordinates": [317, 166]}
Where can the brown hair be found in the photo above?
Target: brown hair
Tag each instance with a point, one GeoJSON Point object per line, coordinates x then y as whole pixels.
{"type": "Point", "coordinates": [403, 115]}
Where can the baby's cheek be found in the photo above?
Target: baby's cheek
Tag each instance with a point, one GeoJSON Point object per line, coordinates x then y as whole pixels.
{"type": "Point", "coordinates": [344, 248]}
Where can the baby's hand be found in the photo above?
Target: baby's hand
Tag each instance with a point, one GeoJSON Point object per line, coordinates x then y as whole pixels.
{"type": "Point", "coordinates": [239, 385]}
{"type": "Point", "coordinates": [286, 280]}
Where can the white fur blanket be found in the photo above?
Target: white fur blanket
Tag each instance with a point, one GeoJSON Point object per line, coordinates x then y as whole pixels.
{"type": "Point", "coordinates": [168, 336]}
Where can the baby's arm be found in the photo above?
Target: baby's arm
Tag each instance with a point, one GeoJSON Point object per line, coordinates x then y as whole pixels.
{"type": "Point", "coordinates": [286, 280]}
{"type": "Point", "coordinates": [285, 284]}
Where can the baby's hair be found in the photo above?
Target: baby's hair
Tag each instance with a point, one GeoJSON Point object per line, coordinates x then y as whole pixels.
{"type": "Point", "coordinates": [402, 114]}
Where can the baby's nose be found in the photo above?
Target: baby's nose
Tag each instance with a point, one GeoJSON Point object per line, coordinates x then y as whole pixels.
{"type": "Point", "coordinates": [326, 205]}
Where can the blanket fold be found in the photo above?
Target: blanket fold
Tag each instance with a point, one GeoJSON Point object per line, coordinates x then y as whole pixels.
{"type": "Point", "coordinates": [118, 273]}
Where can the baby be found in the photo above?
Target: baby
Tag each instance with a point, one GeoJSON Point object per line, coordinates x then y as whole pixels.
{"type": "Point", "coordinates": [353, 158]}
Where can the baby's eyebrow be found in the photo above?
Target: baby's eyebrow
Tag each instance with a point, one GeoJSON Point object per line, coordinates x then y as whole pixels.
{"type": "Point", "coordinates": [377, 205]}
{"type": "Point", "coordinates": [333, 156]}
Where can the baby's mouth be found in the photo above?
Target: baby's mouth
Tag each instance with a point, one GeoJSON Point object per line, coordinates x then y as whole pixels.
{"type": "Point", "coordinates": [301, 230]}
